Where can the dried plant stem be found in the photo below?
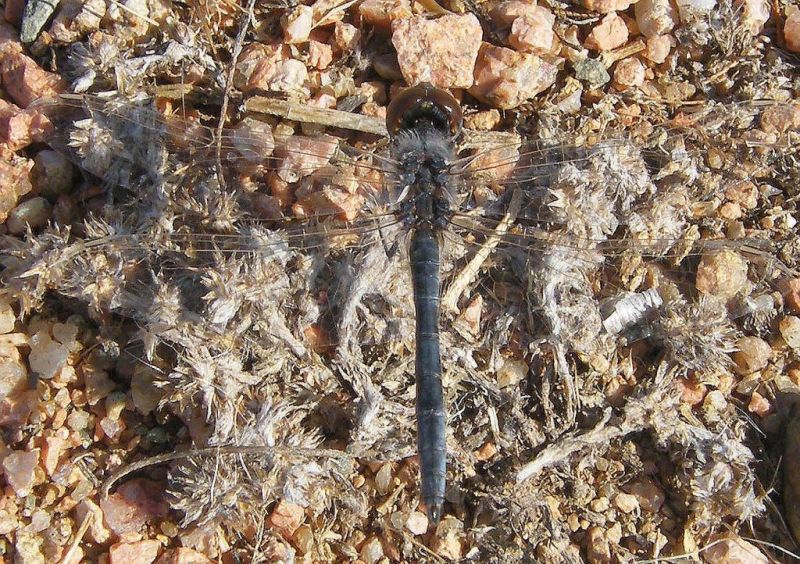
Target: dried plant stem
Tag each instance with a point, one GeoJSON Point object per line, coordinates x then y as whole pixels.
{"type": "Point", "coordinates": [237, 49]}
{"type": "Point", "coordinates": [209, 451]}
{"type": "Point", "coordinates": [304, 113]}
{"type": "Point", "coordinates": [637, 416]}
{"type": "Point", "coordinates": [73, 546]}
{"type": "Point", "coordinates": [470, 271]}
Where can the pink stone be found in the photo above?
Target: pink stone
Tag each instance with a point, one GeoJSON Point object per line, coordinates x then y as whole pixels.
{"type": "Point", "coordinates": [655, 17]}
{"type": "Point", "coordinates": [269, 67]}
{"type": "Point", "coordinates": [780, 118]}
{"type": "Point", "coordinates": [205, 539]}
{"type": "Point", "coordinates": [51, 453]}
{"type": "Point", "coordinates": [759, 405]}
{"type": "Point", "coordinates": [25, 81]}
{"type": "Point", "coordinates": [753, 354]}
{"type": "Point", "coordinates": [141, 552]}
{"type": "Point", "coordinates": [609, 34]}
{"type": "Point", "coordinates": [14, 183]}
{"type": "Point", "coordinates": [506, 12]}
{"type": "Point", "coordinates": [658, 48]}
{"type": "Point", "coordinates": [135, 503]}
{"type": "Point", "coordinates": [19, 128]}
{"type": "Point", "coordinates": [286, 518]}
{"type": "Point", "coordinates": [381, 13]}
{"type": "Point", "coordinates": [791, 294]}
{"type": "Point", "coordinates": [791, 31]}
{"type": "Point", "coordinates": [722, 274]}
{"type": "Point", "coordinates": [13, 377]}
{"type": "Point", "coordinates": [320, 55]}
{"type": "Point", "coordinates": [649, 494]}
{"type": "Point", "coordinates": [15, 410]}
{"type": "Point", "coordinates": [345, 36]}
{"type": "Point", "coordinates": [505, 78]}
{"type": "Point", "coordinates": [629, 73]}
{"type": "Point", "coordinates": [606, 6]}
{"type": "Point", "coordinates": [301, 156]}
{"type": "Point", "coordinates": [440, 51]}
{"type": "Point", "coordinates": [298, 24]}
{"type": "Point", "coordinates": [533, 32]}
{"type": "Point", "coordinates": [19, 466]}
{"type": "Point", "coordinates": [183, 556]}
{"type": "Point", "coordinates": [727, 548]}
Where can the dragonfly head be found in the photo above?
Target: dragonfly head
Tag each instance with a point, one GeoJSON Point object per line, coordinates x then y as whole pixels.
{"type": "Point", "coordinates": [422, 106]}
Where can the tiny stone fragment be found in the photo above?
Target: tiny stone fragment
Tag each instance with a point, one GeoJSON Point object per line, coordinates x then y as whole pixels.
{"type": "Point", "coordinates": [298, 24]}
{"type": "Point", "coordinates": [19, 467]}
{"type": "Point", "coordinates": [30, 214]}
{"type": "Point", "coordinates": [721, 274]}
{"type": "Point", "coordinates": [505, 78]}
{"type": "Point", "coordinates": [381, 13]}
{"type": "Point", "coordinates": [286, 518]}
{"type": "Point", "coordinates": [759, 405]}
{"type": "Point", "coordinates": [372, 550]}
{"type": "Point", "coordinates": [609, 34]}
{"type": "Point", "coordinates": [511, 373]}
{"type": "Point", "coordinates": [791, 31]}
{"type": "Point", "coordinates": [598, 550]}
{"type": "Point", "coordinates": [730, 549]}
{"type": "Point", "coordinates": [183, 556]}
{"type": "Point", "coordinates": [592, 72]}
{"type": "Point", "coordinates": [753, 354]}
{"type": "Point", "coordinates": [135, 503]}
{"type": "Point", "coordinates": [13, 376]}
{"type": "Point", "coordinates": [441, 51]}
{"type": "Point", "coordinates": [47, 356]}
{"type": "Point", "coordinates": [659, 47]}
{"type": "Point", "coordinates": [629, 73]}
{"type": "Point", "coordinates": [34, 18]}
{"type": "Point", "coordinates": [417, 523]}
{"type": "Point", "coordinates": [791, 294]}
{"type": "Point", "coordinates": [789, 326]}
{"type": "Point", "coordinates": [606, 6]}
{"type": "Point", "coordinates": [533, 32]}
{"type": "Point", "coordinates": [627, 503]}
{"type": "Point", "coordinates": [780, 118]}
{"type": "Point", "coordinates": [649, 495]}
{"type": "Point", "coordinates": [655, 17]}
{"type": "Point", "coordinates": [98, 532]}
{"type": "Point", "coordinates": [141, 552]}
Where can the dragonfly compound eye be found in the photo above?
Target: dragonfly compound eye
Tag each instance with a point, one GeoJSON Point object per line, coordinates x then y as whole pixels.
{"type": "Point", "coordinates": [424, 103]}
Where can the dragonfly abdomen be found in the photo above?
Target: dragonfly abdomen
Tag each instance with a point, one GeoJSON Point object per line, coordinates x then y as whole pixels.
{"type": "Point", "coordinates": [431, 419]}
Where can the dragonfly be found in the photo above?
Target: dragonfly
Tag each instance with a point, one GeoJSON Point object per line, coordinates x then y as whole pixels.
{"type": "Point", "coordinates": [282, 248]}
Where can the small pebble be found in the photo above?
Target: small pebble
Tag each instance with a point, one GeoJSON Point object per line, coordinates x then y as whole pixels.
{"type": "Point", "coordinates": [371, 551]}
{"type": "Point", "coordinates": [304, 539]}
{"type": "Point", "coordinates": [47, 356]}
{"type": "Point", "coordinates": [606, 6]}
{"type": "Point", "coordinates": [297, 25]}
{"type": "Point", "coordinates": [51, 174]}
{"type": "Point", "coordinates": [659, 47]}
{"type": "Point", "coordinates": [505, 78]}
{"type": "Point", "coordinates": [791, 294]}
{"type": "Point", "coordinates": [759, 405]}
{"type": "Point", "coordinates": [598, 550]}
{"type": "Point", "coordinates": [753, 354]}
{"type": "Point", "coordinates": [13, 376]}
{"type": "Point", "coordinates": [629, 73]}
{"type": "Point", "coordinates": [730, 549]}
{"type": "Point", "coordinates": [789, 327]}
{"type": "Point", "coordinates": [744, 193]}
{"type": "Point", "coordinates": [780, 118]}
{"type": "Point", "coordinates": [511, 373]}
{"type": "Point", "coordinates": [286, 518]}
{"type": "Point", "coordinates": [722, 274]}
{"type": "Point", "coordinates": [533, 32]}
{"type": "Point", "coordinates": [141, 552]}
{"type": "Point", "coordinates": [655, 17]}
{"type": "Point", "coordinates": [19, 467]}
{"type": "Point", "coordinates": [133, 504]}
{"type": "Point", "coordinates": [441, 51]}
{"type": "Point", "coordinates": [383, 479]}
{"type": "Point", "coordinates": [626, 503]}
{"type": "Point", "coordinates": [599, 505]}
{"type": "Point", "coordinates": [649, 494]}
{"type": "Point", "coordinates": [33, 213]}
{"type": "Point", "coordinates": [791, 30]}
{"type": "Point", "coordinates": [609, 34]}
{"type": "Point", "coordinates": [417, 523]}
{"type": "Point", "coordinates": [8, 318]}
